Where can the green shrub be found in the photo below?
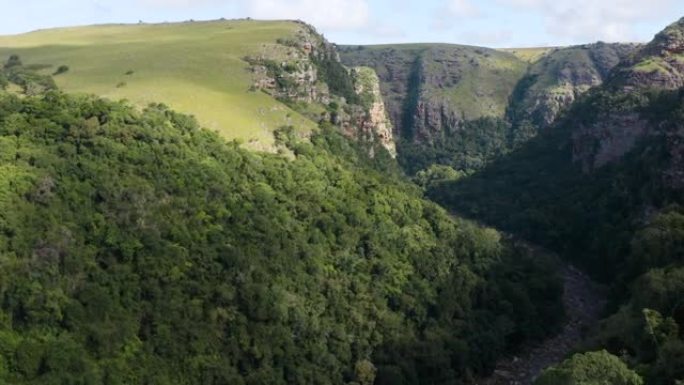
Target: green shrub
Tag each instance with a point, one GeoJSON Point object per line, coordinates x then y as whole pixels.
{"type": "Point", "coordinates": [590, 369]}
{"type": "Point", "coordinates": [61, 69]}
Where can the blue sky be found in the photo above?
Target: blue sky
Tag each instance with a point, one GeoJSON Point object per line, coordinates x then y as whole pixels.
{"type": "Point", "coordinates": [495, 23]}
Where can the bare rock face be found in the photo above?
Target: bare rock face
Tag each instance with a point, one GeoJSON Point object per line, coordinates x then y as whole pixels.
{"type": "Point", "coordinates": [607, 140]}
{"type": "Point", "coordinates": [659, 64]}
{"type": "Point", "coordinates": [375, 124]}
{"type": "Point", "coordinates": [285, 69]}
{"type": "Point", "coordinates": [558, 79]}
{"type": "Point", "coordinates": [430, 90]}
{"type": "Point", "coordinates": [293, 70]}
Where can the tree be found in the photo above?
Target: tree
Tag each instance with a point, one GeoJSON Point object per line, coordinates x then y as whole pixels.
{"type": "Point", "coordinates": [594, 368]}
{"type": "Point", "coordinates": [61, 69]}
{"type": "Point", "coordinates": [435, 174]}
{"type": "Point", "coordinates": [13, 61]}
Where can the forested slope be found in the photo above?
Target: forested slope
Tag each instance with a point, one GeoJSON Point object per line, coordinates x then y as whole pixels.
{"type": "Point", "coordinates": [604, 187]}
{"type": "Point", "coordinates": [138, 248]}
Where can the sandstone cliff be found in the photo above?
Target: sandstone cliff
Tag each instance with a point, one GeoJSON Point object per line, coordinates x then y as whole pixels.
{"type": "Point", "coordinates": [556, 80]}
{"type": "Point", "coordinates": [305, 72]}
{"type": "Point", "coordinates": [617, 123]}
{"type": "Point", "coordinates": [376, 124]}
{"type": "Point", "coordinates": [431, 89]}
{"type": "Point", "coordinates": [659, 64]}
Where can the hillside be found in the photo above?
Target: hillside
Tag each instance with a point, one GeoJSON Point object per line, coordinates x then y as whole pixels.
{"type": "Point", "coordinates": [604, 186]}
{"type": "Point", "coordinates": [529, 54]}
{"type": "Point", "coordinates": [138, 248]}
{"type": "Point", "coordinates": [556, 80]}
{"type": "Point", "coordinates": [195, 67]}
{"type": "Point", "coordinates": [144, 245]}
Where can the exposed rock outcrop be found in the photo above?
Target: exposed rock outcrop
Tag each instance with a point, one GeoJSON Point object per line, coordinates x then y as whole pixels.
{"type": "Point", "coordinates": [618, 126]}
{"type": "Point", "coordinates": [376, 124]}
{"type": "Point", "coordinates": [659, 64]}
{"type": "Point", "coordinates": [431, 89]}
{"type": "Point", "coordinates": [305, 72]}
{"type": "Point", "coordinates": [286, 69]}
{"type": "Point", "coordinates": [555, 81]}
{"type": "Point", "coordinates": [607, 139]}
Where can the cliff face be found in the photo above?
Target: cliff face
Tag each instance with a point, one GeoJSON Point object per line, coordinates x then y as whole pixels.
{"type": "Point", "coordinates": [607, 139]}
{"type": "Point", "coordinates": [305, 72]}
{"type": "Point", "coordinates": [618, 122]}
{"type": "Point", "coordinates": [659, 64]}
{"type": "Point", "coordinates": [376, 124]}
{"type": "Point", "coordinates": [431, 89]}
{"type": "Point", "coordinates": [465, 106]}
{"type": "Point", "coordinates": [556, 80]}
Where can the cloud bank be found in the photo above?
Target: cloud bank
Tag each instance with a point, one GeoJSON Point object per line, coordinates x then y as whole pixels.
{"type": "Point", "coordinates": [589, 20]}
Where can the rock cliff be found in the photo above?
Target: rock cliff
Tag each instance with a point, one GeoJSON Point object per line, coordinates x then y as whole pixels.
{"type": "Point", "coordinates": [659, 64]}
{"type": "Point", "coordinates": [305, 72]}
{"type": "Point", "coordinates": [432, 89]}
{"type": "Point", "coordinates": [376, 124]}
{"type": "Point", "coordinates": [556, 80]}
{"type": "Point", "coordinates": [617, 123]}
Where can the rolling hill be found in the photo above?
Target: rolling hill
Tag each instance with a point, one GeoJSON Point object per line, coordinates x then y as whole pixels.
{"type": "Point", "coordinates": [194, 67]}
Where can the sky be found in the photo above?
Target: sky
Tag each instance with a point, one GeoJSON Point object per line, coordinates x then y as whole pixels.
{"type": "Point", "coordinates": [493, 23]}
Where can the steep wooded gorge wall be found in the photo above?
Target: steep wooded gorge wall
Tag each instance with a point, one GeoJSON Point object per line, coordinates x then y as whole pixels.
{"type": "Point", "coordinates": [432, 90]}
{"type": "Point", "coordinates": [615, 131]}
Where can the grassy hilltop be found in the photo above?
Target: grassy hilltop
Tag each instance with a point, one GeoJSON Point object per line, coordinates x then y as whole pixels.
{"type": "Point", "coordinates": [194, 67]}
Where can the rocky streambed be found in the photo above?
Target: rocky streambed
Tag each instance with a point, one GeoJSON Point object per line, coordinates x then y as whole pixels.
{"type": "Point", "coordinates": [584, 301]}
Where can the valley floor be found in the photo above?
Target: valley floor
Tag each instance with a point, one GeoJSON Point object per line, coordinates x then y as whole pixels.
{"type": "Point", "coordinates": [584, 301]}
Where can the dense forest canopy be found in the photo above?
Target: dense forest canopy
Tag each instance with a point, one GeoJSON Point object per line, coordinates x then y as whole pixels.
{"type": "Point", "coordinates": [138, 248]}
{"type": "Point", "coordinates": [609, 198]}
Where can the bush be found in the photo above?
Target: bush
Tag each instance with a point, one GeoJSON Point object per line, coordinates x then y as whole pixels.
{"type": "Point", "coordinates": [13, 61]}
{"type": "Point", "coordinates": [61, 69]}
{"type": "Point", "coordinates": [590, 369]}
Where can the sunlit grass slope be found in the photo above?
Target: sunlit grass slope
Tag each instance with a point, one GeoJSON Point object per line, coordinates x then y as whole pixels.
{"type": "Point", "coordinates": [194, 67]}
{"type": "Point", "coordinates": [530, 54]}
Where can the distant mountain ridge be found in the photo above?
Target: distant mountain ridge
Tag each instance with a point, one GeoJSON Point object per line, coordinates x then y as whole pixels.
{"type": "Point", "coordinates": [441, 96]}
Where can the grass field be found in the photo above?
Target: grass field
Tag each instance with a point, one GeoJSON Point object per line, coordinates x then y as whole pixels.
{"type": "Point", "coordinates": [194, 67]}
{"type": "Point", "coordinates": [531, 54]}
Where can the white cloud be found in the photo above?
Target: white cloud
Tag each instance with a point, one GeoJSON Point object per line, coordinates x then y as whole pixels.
{"type": "Point", "coordinates": [586, 20]}
{"type": "Point", "coordinates": [331, 14]}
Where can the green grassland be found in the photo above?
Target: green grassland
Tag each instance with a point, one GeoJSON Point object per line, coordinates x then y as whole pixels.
{"type": "Point", "coordinates": [530, 54]}
{"type": "Point", "coordinates": [659, 64]}
{"type": "Point", "coordinates": [194, 67]}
